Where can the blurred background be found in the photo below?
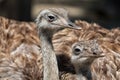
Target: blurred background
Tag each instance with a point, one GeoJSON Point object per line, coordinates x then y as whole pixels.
{"type": "Point", "coordinates": [104, 12]}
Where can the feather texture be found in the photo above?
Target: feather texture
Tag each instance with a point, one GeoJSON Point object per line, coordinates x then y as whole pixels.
{"type": "Point", "coordinates": [20, 51]}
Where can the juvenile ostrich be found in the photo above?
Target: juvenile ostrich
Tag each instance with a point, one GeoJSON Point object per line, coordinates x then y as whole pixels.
{"type": "Point", "coordinates": [83, 55]}
{"type": "Point", "coordinates": [50, 21]}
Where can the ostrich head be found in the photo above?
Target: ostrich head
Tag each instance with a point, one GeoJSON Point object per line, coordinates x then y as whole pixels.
{"type": "Point", "coordinates": [50, 21]}
{"type": "Point", "coordinates": [54, 19]}
{"type": "Point", "coordinates": [85, 52]}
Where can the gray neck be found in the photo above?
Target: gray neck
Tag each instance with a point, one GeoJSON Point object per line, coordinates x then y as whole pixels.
{"type": "Point", "coordinates": [83, 72]}
{"type": "Point", "coordinates": [49, 57]}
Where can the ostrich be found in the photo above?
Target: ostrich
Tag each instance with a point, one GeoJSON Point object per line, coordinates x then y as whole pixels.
{"type": "Point", "coordinates": [83, 55]}
{"type": "Point", "coordinates": [50, 21]}
{"type": "Point", "coordinates": [21, 58]}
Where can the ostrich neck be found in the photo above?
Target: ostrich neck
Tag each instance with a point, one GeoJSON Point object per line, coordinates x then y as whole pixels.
{"type": "Point", "coordinates": [49, 57]}
{"type": "Point", "coordinates": [83, 73]}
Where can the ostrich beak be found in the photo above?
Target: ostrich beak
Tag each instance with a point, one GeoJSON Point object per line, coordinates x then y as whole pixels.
{"type": "Point", "coordinates": [72, 25]}
{"type": "Point", "coordinates": [92, 56]}
{"type": "Point", "coordinates": [69, 24]}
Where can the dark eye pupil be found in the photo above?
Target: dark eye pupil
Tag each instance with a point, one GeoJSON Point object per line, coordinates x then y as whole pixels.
{"type": "Point", "coordinates": [77, 50]}
{"type": "Point", "coordinates": [51, 17]}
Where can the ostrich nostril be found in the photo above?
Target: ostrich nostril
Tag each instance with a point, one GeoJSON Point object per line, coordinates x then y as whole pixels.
{"type": "Point", "coordinates": [70, 25]}
{"type": "Point", "coordinates": [94, 53]}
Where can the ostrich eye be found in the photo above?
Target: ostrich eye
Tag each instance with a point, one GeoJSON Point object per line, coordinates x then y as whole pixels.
{"type": "Point", "coordinates": [77, 50]}
{"type": "Point", "coordinates": [51, 18]}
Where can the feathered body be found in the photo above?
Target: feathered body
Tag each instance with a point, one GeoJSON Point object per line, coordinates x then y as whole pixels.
{"type": "Point", "coordinates": [20, 57]}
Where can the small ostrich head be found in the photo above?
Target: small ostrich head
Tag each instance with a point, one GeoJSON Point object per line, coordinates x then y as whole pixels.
{"type": "Point", "coordinates": [54, 19]}
{"type": "Point", "coordinates": [85, 52]}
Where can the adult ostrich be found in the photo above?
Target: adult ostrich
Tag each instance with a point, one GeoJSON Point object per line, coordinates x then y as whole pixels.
{"type": "Point", "coordinates": [50, 21]}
